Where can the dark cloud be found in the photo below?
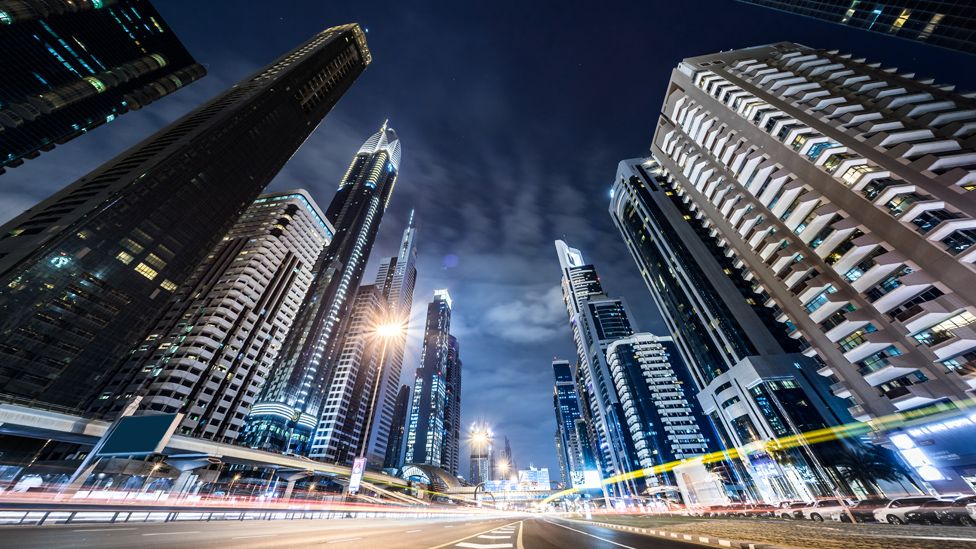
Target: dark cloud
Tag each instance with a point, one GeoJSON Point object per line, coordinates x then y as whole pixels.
{"type": "Point", "coordinates": [512, 117]}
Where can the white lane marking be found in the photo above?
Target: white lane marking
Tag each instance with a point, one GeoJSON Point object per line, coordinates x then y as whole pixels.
{"type": "Point", "coordinates": [172, 533]}
{"type": "Point", "coordinates": [484, 545]}
{"type": "Point", "coordinates": [591, 535]}
{"type": "Point", "coordinates": [518, 542]}
{"type": "Point", "coordinates": [343, 540]}
{"type": "Point", "coordinates": [495, 537]}
{"type": "Point", "coordinates": [255, 536]}
{"type": "Point", "coordinates": [101, 529]}
{"type": "Point", "coordinates": [452, 543]}
{"type": "Point", "coordinates": [412, 531]}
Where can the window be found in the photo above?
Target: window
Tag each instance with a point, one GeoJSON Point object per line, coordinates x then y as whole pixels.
{"type": "Point", "coordinates": [887, 285]}
{"type": "Point", "coordinates": [901, 203]}
{"type": "Point", "coordinates": [814, 153]}
{"type": "Point", "coordinates": [819, 300]}
{"type": "Point", "coordinates": [856, 339]}
{"type": "Point", "coordinates": [146, 271]}
{"type": "Point", "coordinates": [928, 220]}
{"type": "Point", "coordinates": [876, 187]}
{"type": "Point", "coordinates": [856, 172]}
{"type": "Point", "coordinates": [943, 330]}
{"type": "Point", "coordinates": [124, 257]}
{"type": "Point", "coordinates": [835, 161]}
{"type": "Point", "coordinates": [960, 241]}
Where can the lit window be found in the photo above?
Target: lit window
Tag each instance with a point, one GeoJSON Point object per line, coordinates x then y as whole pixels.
{"type": "Point", "coordinates": [901, 19]}
{"type": "Point", "coordinates": [5, 18]}
{"type": "Point", "coordinates": [146, 271]}
{"type": "Point", "coordinates": [168, 285]}
{"type": "Point", "coordinates": [855, 172]}
{"type": "Point", "coordinates": [131, 245]}
{"type": "Point", "coordinates": [124, 257]}
{"type": "Point", "coordinates": [155, 261]}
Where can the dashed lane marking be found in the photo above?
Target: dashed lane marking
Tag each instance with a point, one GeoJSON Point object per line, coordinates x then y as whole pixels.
{"type": "Point", "coordinates": [591, 535]}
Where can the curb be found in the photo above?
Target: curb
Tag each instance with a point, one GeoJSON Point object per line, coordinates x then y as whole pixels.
{"type": "Point", "coordinates": [707, 540]}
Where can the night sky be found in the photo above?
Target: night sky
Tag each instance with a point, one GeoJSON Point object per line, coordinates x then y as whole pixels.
{"type": "Point", "coordinates": [512, 118]}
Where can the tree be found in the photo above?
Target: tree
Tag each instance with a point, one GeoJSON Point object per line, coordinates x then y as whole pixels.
{"type": "Point", "coordinates": [868, 465]}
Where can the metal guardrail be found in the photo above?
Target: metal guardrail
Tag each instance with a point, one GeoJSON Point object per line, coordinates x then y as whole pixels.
{"type": "Point", "coordinates": [39, 515]}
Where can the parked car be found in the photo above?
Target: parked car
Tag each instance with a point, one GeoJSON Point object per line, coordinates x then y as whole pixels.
{"type": "Point", "coordinates": [788, 509]}
{"type": "Point", "coordinates": [956, 512]}
{"type": "Point", "coordinates": [863, 510]}
{"type": "Point", "coordinates": [926, 512]}
{"type": "Point", "coordinates": [761, 510]}
{"type": "Point", "coordinates": [894, 512]}
{"type": "Point", "coordinates": [822, 509]}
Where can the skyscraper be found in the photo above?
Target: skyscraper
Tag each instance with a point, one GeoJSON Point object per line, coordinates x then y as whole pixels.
{"type": "Point", "coordinates": [575, 453]}
{"type": "Point", "coordinates": [81, 271]}
{"type": "Point", "coordinates": [841, 191]}
{"type": "Point", "coordinates": [944, 23]}
{"type": "Point", "coordinates": [482, 454]}
{"type": "Point", "coordinates": [432, 438]}
{"type": "Point", "coordinates": [289, 406]}
{"type": "Point", "coordinates": [394, 447]}
{"type": "Point", "coordinates": [217, 342]}
{"type": "Point", "coordinates": [396, 280]}
{"type": "Point", "coordinates": [596, 321]}
{"type": "Point", "coordinates": [342, 423]}
{"type": "Point", "coordinates": [751, 382]}
{"type": "Point", "coordinates": [662, 415]}
{"type": "Point", "coordinates": [70, 67]}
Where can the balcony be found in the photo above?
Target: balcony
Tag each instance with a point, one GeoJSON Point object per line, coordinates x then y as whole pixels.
{"type": "Point", "coordinates": [912, 396]}
{"type": "Point", "coordinates": [954, 341]}
{"type": "Point", "coordinates": [930, 313]}
{"type": "Point", "coordinates": [840, 390]}
{"type": "Point", "coordinates": [873, 342]}
{"type": "Point", "coordinates": [858, 413]}
{"type": "Point", "coordinates": [895, 367]}
{"type": "Point", "coordinates": [967, 372]}
{"type": "Point", "coordinates": [910, 285]}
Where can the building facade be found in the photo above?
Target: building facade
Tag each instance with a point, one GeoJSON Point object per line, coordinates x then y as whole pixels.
{"type": "Point", "coordinates": [394, 447]}
{"type": "Point", "coordinates": [217, 342]}
{"type": "Point", "coordinates": [80, 271]}
{"type": "Point", "coordinates": [843, 192]}
{"type": "Point", "coordinates": [341, 432]}
{"type": "Point", "coordinates": [73, 66]}
{"type": "Point", "coordinates": [432, 439]}
{"type": "Point", "coordinates": [288, 408]}
{"type": "Point", "coordinates": [938, 22]}
{"type": "Point", "coordinates": [396, 279]}
{"type": "Point", "coordinates": [597, 320]}
{"type": "Point", "coordinates": [661, 413]}
{"type": "Point", "coordinates": [572, 440]}
{"type": "Point", "coordinates": [738, 356]}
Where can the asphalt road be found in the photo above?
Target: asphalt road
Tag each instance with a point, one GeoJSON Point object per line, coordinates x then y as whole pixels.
{"type": "Point", "coordinates": [514, 533]}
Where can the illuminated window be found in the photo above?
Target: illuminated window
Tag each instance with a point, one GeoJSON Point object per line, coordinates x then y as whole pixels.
{"type": "Point", "coordinates": [168, 285]}
{"type": "Point", "coordinates": [855, 172]}
{"type": "Point", "coordinates": [905, 14]}
{"type": "Point", "coordinates": [155, 261]}
{"type": "Point", "coordinates": [131, 245]}
{"type": "Point", "coordinates": [146, 271]}
{"type": "Point", "coordinates": [5, 18]}
{"type": "Point", "coordinates": [124, 257]}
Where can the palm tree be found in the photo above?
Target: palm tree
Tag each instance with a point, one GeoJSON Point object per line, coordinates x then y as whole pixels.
{"type": "Point", "coordinates": [868, 465]}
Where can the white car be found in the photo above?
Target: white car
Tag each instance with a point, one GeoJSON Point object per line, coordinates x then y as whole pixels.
{"type": "Point", "coordinates": [823, 509]}
{"type": "Point", "coordinates": [894, 511]}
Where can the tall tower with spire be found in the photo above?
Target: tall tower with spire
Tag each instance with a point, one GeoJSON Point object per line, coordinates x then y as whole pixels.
{"type": "Point", "coordinates": [287, 410]}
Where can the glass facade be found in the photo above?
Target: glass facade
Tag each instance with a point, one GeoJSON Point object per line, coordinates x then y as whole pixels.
{"type": "Point", "coordinates": [84, 273]}
{"type": "Point", "coordinates": [73, 67]}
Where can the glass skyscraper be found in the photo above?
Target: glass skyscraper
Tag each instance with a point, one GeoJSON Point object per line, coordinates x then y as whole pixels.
{"type": "Point", "coordinates": [70, 67]}
{"type": "Point", "coordinates": [84, 273]}
{"type": "Point", "coordinates": [945, 23]}
{"type": "Point", "coordinates": [433, 435]}
{"type": "Point", "coordinates": [288, 409]}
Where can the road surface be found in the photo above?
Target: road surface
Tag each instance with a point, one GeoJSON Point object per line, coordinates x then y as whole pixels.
{"type": "Point", "coordinates": [514, 533]}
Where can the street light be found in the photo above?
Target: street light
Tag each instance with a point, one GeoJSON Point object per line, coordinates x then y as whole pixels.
{"type": "Point", "coordinates": [386, 330]}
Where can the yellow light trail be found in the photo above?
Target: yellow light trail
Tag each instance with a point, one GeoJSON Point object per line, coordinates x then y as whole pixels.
{"type": "Point", "coordinates": [878, 425]}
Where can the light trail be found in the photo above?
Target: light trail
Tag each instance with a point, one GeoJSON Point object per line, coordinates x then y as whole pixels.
{"type": "Point", "coordinates": [879, 425]}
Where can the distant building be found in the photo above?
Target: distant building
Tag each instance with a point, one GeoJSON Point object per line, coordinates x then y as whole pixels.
{"type": "Point", "coordinates": [216, 344]}
{"type": "Point", "coordinates": [433, 438]}
{"type": "Point", "coordinates": [288, 408]}
{"type": "Point", "coordinates": [572, 441]}
{"type": "Point", "coordinates": [482, 459]}
{"type": "Point", "coordinates": [85, 273]}
{"type": "Point", "coordinates": [341, 433]}
{"type": "Point", "coordinates": [70, 67]}
{"type": "Point", "coordinates": [394, 448]}
{"type": "Point", "coordinates": [945, 23]}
